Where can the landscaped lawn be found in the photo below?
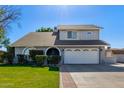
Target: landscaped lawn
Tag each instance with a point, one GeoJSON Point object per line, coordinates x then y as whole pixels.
{"type": "Point", "coordinates": [28, 77]}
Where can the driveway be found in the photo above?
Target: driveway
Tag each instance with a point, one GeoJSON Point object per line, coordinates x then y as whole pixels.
{"type": "Point", "coordinates": [93, 76]}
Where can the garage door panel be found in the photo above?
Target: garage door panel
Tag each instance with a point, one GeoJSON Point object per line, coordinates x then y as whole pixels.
{"type": "Point", "coordinates": [81, 57]}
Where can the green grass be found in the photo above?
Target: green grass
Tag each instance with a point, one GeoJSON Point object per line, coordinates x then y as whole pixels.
{"type": "Point", "coordinates": [17, 76]}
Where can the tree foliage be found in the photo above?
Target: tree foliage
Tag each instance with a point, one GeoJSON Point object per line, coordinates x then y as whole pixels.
{"type": "Point", "coordinates": [42, 29]}
{"type": "Point", "coordinates": [8, 15]}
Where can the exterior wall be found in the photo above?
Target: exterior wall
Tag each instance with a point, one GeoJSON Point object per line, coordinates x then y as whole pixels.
{"type": "Point", "coordinates": [18, 51]}
{"type": "Point", "coordinates": [119, 57]}
{"type": "Point", "coordinates": [62, 55]}
{"type": "Point", "coordinates": [113, 58]}
{"type": "Point", "coordinates": [102, 55]}
{"type": "Point", "coordinates": [81, 35]}
{"type": "Point", "coordinates": [109, 58]}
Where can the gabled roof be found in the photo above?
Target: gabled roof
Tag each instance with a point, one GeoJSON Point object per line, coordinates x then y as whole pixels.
{"type": "Point", "coordinates": [42, 39]}
{"type": "Point", "coordinates": [78, 27]}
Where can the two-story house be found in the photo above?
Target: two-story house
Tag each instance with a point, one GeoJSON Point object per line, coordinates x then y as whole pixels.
{"type": "Point", "coordinates": [76, 44]}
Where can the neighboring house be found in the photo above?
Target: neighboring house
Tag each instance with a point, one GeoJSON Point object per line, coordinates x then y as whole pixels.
{"type": "Point", "coordinates": [115, 55]}
{"type": "Point", "coordinates": [76, 44]}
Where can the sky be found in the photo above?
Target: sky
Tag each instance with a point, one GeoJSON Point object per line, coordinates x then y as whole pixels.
{"type": "Point", "coordinates": [111, 18]}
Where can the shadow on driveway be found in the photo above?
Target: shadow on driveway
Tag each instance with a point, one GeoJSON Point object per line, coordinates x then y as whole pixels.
{"type": "Point", "coordinates": [118, 67]}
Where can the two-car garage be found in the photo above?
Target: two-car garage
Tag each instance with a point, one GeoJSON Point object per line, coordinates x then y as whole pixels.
{"type": "Point", "coordinates": [81, 56]}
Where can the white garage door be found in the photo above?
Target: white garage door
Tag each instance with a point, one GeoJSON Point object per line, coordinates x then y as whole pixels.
{"type": "Point", "coordinates": [81, 56]}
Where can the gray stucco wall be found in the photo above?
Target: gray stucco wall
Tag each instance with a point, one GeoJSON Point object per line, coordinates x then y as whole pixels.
{"type": "Point", "coordinates": [102, 55]}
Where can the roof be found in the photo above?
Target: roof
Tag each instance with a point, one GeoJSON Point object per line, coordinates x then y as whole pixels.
{"type": "Point", "coordinates": [80, 42]}
{"type": "Point", "coordinates": [117, 51]}
{"type": "Point", "coordinates": [36, 39]}
{"type": "Point", "coordinates": [78, 27]}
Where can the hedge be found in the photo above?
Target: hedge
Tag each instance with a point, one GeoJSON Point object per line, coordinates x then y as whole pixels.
{"type": "Point", "coordinates": [40, 59]}
{"type": "Point", "coordinates": [54, 59]}
{"type": "Point", "coordinates": [33, 53]}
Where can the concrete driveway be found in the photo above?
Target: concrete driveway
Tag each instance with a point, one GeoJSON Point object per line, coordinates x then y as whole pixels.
{"type": "Point", "coordinates": [93, 76]}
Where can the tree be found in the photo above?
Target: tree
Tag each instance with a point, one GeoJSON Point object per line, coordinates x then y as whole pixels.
{"type": "Point", "coordinates": [8, 15]}
{"type": "Point", "coordinates": [42, 29]}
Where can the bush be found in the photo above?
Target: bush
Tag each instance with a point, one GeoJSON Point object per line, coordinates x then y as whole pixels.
{"type": "Point", "coordinates": [54, 59]}
{"type": "Point", "coordinates": [40, 59]}
{"type": "Point", "coordinates": [8, 56]}
{"type": "Point", "coordinates": [2, 54]}
{"type": "Point", "coordinates": [21, 58]}
{"type": "Point", "coordinates": [53, 68]}
{"type": "Point", "coordinates": [33, 53]}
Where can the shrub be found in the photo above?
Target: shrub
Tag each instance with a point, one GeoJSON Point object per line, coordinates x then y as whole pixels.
{"type": "Point", "coordinates": [33, 53]}
{"type": "Point", "coordinates": [21, 58]}
{"type": "Point", "coordinates": [40, 59]}
{"type": "Point", "coordinates": [54, 59]}
{"type": "Point", "coordinates": [53, 68]}
{"type": "Point", "coordinates": [10, 58]}
{"type": "Point", "coordinates": [10, 54]}
{"type": "Point", "coordinates": [2, 54]}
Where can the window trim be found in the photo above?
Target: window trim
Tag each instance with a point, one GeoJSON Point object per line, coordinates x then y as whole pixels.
{"type": "Point", "coordinates": [73, 35]}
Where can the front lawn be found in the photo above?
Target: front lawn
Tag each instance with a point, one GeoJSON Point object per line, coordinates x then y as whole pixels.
{"type": "Point", "coordinates": [16, 76]}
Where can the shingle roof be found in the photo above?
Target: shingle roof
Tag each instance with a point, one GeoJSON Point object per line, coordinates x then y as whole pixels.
{"type": "Point", "coordinates": [78, 27]}
{"type": "Point", "coordinates": [80, 42]}
{"type": "Point", "coordinates": [36, 39]}
{"type": "Point", "coordinates": [50, 39]}
{"type": "Point", "coordinates": [118, 51]}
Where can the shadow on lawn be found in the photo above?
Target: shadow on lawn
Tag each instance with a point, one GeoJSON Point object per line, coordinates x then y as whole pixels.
{"type": "Point", "coordinates": [27, 65]}
{"type": "Point", "coordinates": [14, 65]}
{"type": "Point", "coordinates": [53, 68]}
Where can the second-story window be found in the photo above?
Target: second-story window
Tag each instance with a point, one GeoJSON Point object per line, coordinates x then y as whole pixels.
{"type": "Point", "coordinates": [72, 35]}
{"type": "Point", "coordinates": [69, 33]}
{"type": "Point", "coordinates": [89, 32]}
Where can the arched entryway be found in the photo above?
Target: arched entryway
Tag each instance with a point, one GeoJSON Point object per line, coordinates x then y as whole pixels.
{"type": "Point", "coordinates": [26, 53]}
{"type": "Point", "coordinates": [52, 51]}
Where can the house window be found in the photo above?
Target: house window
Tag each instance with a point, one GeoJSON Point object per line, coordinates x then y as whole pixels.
{"type": "Point", "coordinates": [85, 50]}
{"type": "Point", "coordinates": [72, 35]}
{"type": "Point", "coordinates": [77, 50]}
{"type": "Point", "coordinates": [69, 34]}
{"type": "Point", "coordinates": [89, 33]}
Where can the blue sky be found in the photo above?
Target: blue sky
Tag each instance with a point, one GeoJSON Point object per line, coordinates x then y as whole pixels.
{"type": "Point", "coordinates": [111, 18]}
